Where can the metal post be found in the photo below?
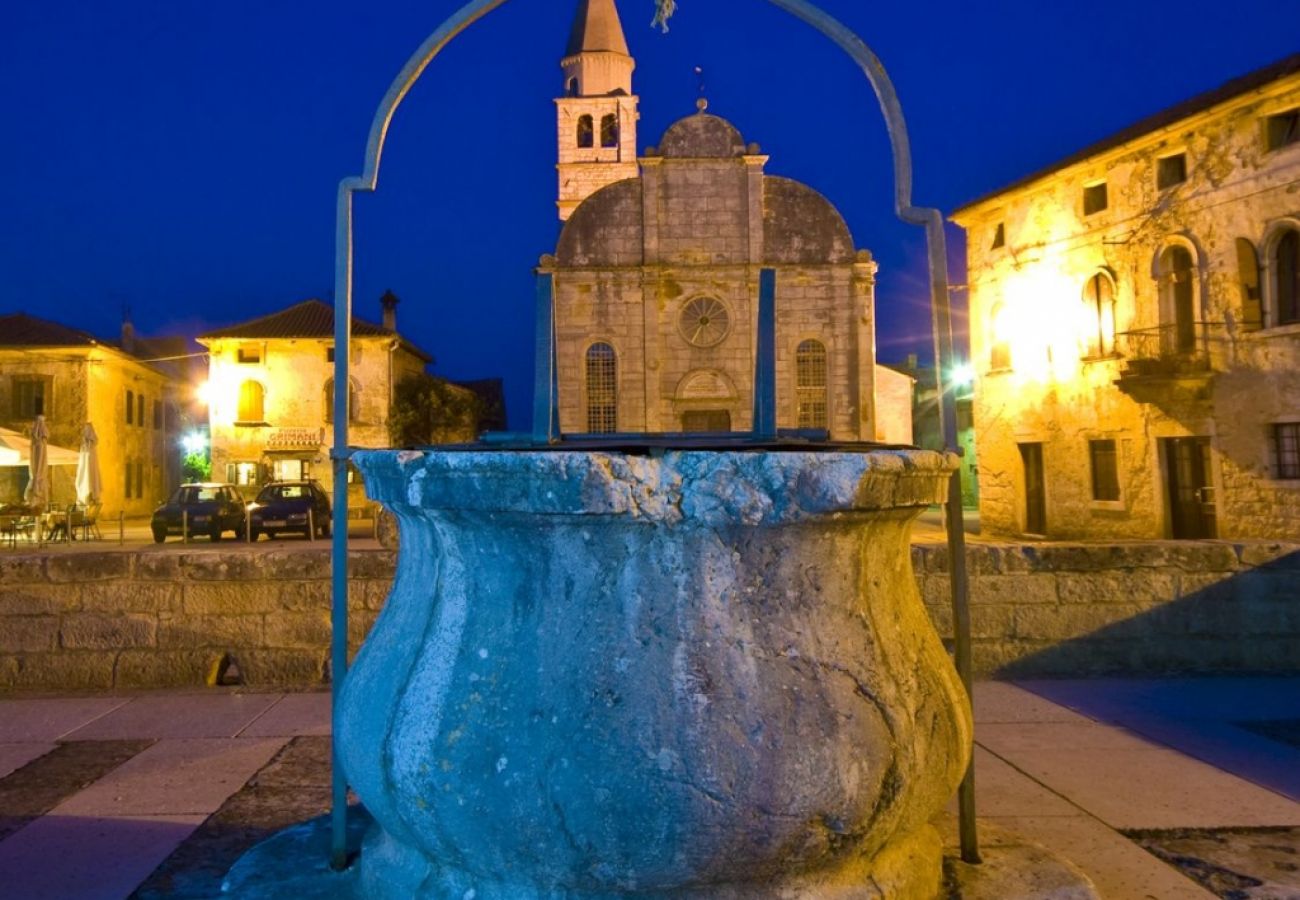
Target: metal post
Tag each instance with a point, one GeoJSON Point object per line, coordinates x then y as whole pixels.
{"type": "Point", "coordinates": [546, 419]}
{"type": "Point", "coordinates": [765, 359]}
{"type": "Point", "coordinates": [339, 455]}
{"type": "Point", "coordinates": [121, 528]}
{"type": "Point", "coordinates": [185, 525]}
{"type": "Point", "coordinates": [248, 523]}
{"type": "Point", "coordinates": [311, 524]}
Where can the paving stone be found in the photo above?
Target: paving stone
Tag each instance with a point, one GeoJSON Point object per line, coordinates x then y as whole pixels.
{"type": "Point", "coordinates": [1008, 739]}
{"type": "Point", "coordinates": [87, 858]}
{"type": "Point", "coordinates": [53, 718]}
{"type": "Point", "coordinates": [1003, 790]}
{"type": "Point", "coordinates": [45, 782]}
{"type": "Point", "coordinates": [174, 777]}
{"type": "Point", "coordinates": [1120, 869]}
{"type": "Point", "coordinates": [1000, 701]}
{"type": "Point", "coordinates": [15, 756]}
{"type": "Point", "coordinates": [294, 714]}
{"type": "Point", "coordinates": [209, 715]}
{"type": "Point", "coordinates": [1143, 788]}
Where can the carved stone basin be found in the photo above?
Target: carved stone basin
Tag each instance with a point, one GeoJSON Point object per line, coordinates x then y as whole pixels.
{"type": "Point", "coordinates": [699, 674]}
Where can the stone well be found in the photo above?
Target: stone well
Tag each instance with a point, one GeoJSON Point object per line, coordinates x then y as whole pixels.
{"type": "Point", "coordinates": [686, 675]}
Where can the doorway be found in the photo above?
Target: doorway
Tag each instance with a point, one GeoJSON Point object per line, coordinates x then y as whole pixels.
{"type": "Point", "coordinates": [1192, 509]}
{"type": "Point", "coordinates": [710, 421]}
{"type": "Point", "coordinates": [1031, 456]}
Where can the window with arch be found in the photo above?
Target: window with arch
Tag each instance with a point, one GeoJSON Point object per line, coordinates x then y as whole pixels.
{"type": "Point", "coordinates": [251, 402]}
{"type": "Point", "coordinates": [602, 389]}
{"type": "Point", "coordinates": [1177, 272]}
{"type": "Point", "coordinates": [609, 130]}
{"type": "Point", "coordinates": [329, 402]}
{"type": "Point", "coordinates": [810, 384]}
{"type": "Point", "coordinates": [1099, 303]}
{"type": "Point", "coordinates": [586, 132]}
{"type": "Point", "coordinates": [1285, 263]}
{"type": "Point", "coordinates": [573, 87]}
{"type": "Point", "coordinates": [999, 342]}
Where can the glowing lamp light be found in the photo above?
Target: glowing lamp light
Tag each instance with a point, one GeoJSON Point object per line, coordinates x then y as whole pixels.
{"type": "Point", "coordinates": [194, 442]}
{"type": "Point", "coordinates": [962, 376]}
{"type": "Point", "coordinates": [205, 393]}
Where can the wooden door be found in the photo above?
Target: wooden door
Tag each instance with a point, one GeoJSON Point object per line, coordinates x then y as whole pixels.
{"type": "Point", "coordinates": [1192, 509]}
{"type": "Point", "coordinates": [1031, 455]}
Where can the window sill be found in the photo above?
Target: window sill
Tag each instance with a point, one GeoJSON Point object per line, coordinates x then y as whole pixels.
{"type": "Point", "coordinates": [252, 424]}
{"type": "Point", "coordinates": [1108, 507]}
{"type": "Point", "coordinates": [1290, 329]}
{"type": "Point", "coordinates": [1105, 357]}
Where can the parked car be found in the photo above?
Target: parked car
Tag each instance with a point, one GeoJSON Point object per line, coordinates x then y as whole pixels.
{"type": "Point", "coordinates": [290, 506]}
{"type": "Point", "coordinates": [208, 509]}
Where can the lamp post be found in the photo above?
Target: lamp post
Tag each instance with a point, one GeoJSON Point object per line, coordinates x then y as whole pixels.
{"type": "Point", "coordinates": [941, 321]}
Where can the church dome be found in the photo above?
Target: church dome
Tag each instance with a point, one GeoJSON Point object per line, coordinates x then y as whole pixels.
{"type": "Point", "coordinates": [801, 227]}
{"type": "Point", "coordinates": [702, 136]}
{"type": "Point", "coordinates": [605, 229]}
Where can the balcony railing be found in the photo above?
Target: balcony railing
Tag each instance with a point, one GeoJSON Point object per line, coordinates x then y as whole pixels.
{"type": "Point", "coordinates": [1174, 350]}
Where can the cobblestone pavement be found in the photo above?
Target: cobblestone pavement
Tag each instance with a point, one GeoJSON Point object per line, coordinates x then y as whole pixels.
{"type": "Point", "coordinates": [1158, 789]}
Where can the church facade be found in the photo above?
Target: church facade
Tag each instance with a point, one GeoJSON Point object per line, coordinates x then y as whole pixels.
{"type": "Point", "coordinates": [656, 274]}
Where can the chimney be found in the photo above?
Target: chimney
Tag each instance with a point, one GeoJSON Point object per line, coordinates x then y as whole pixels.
{"type": "Point", "coordinates": [912, 362]}
{"type": "Point", "coordinates": [128, 331]}
{"type": "Point", "coordinates": [389, 302]}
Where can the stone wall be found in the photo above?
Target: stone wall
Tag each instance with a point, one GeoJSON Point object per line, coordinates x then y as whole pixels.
{"type": "Point", "coordinates": [95, 621]}
{"type": "Point", "coordinates": [1133, 608]}
{"type": "Point", "coordinates": [99, 621]}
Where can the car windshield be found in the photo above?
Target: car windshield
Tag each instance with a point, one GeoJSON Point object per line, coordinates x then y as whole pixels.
{"type": "Point", "coordinates": [196, 494]}
{"type": "Point", "coordinates": [283, 492]}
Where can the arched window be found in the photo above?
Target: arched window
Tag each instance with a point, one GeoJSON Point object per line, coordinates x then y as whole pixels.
{"type": "Point", "coordinates": [609, 131]}
{"type": "Point", "coordinates": [1286, 278]}
{"type": "Point", "coordinates": [1252, 310]}
{"type": "Point", "coordinates": [573, 87]}
{"type": "Point", "coordinates": [586, 132]}
{"type": "Point", "coordinates": [999, 338]}
{"type": "Point", "coordinates": [602, 389]}
{"type": "Point", "coordinates": [329, 402]}
{"type": "Point", "coordinates": [1178, 300]}
{"type": "Point", "coordinates": [251, 402]}
{"type": "Point", "coordinates": [810, 384]}
{"type": "Point", "coordinates": [1099, 303]}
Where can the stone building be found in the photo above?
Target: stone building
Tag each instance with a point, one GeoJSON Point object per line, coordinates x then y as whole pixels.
{"type": "Point", "coordinates": [1135, 321]}
{"type": "Point", "coordinates": [72, 377]}
{"type": "Point", "coordinates": [271, 391]}
{"type": "Point", "coordinates": [656, 274]}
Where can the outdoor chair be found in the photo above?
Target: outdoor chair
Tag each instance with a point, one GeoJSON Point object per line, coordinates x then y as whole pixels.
{"type": "Point", "coordinates": [85, 519]}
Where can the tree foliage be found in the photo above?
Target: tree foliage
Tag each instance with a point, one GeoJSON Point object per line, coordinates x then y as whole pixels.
{"type": "Point", "coordinates": [196, 467]}
{"type": "Point", "coordinates": [429, 410]}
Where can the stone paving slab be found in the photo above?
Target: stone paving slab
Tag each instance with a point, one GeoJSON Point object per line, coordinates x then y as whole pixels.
{"type": "Point", "coordinates": [51, 718]}
{"type": "Point", "coordinates": [15, 756]}
{"type": "Point", "coordinates": [1120, 869]}
{"type": "Point", "coordinates": [1151, 788]}
{"type": "Point", "coordinates": [1003, 790]}
{"type": "Point", "coordinates": [174, 777]}
{"type": "Point", "coordinates": [77, 858]}
{"type": "Point", "coordinates": [178, 716]}
{"type": "Point", "coordinates": [1225, 698]}
{"type": "Point", "coordinates": [1003, 702]}
{"type": "Point", "coordinates": [294, 715]}
{"type": "Point", "coordinates": [1035, 736]}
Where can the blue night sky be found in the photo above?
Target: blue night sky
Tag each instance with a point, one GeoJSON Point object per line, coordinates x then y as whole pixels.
{"type": "Point", "coordinates": [183, 157]}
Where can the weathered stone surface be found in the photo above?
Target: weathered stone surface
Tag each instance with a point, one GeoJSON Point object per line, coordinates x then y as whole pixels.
{"type": "Point", "coordinates": [1036, 588]}
{"type": "Point", "coordinates": [222, 632]}
{"type": "Point", "coordinates": [231, 598]}
{"type": "Point", "coordinates": [280, 667]}
{"type": "Point", "coordinates": [88, 566]}
{"type": "Point", "coordinates": [90, 631]}
{"type": "Point", "coordinates": [150, 668]}
{"type": "Point", "coordinates": [33, 599]}
{"type": "Point", "coordinates": [298, 629]}
{"type": "Point", "coordinates": [668, 673]}
{"type": "Point", "coordinates": [130, 596]}
{"type": "Point", "coordinates": [369, 564]}
{"type": "Point", "coordinates": [67, 671]}
{"type": "Point", "coordinates": [162, 565]}
{"type": "Point", "coordinates": [219, 566]}
{"type": "Point", "coordinates": [297, 565]}
{"type": "Point", "coordinates": [1048, 623]}
{"type": "Point", "coordinates": [24, 569]}
{"type": "Point", "coordinates": [23, 634]}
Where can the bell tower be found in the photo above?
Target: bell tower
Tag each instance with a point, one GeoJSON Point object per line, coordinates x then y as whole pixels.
{"type": "Point", "coordinates": [597, 115]}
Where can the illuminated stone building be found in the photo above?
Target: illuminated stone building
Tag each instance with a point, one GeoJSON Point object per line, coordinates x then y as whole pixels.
{"type": "Point", "coordinates": [271, 391]}
{"type": "Point", "coordinates": [72, 377]}
{"type": "Point", "coordinates": [1135, 322]}
{"type": "Point", "coordinates": [657, 270]}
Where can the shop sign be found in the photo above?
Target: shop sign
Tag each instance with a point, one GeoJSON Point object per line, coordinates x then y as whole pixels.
{"type": "Point", "coordinates": [295, 439]}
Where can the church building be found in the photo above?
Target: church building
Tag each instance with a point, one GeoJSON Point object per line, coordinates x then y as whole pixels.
{"type": "Point", "coordinates": [656, 275]}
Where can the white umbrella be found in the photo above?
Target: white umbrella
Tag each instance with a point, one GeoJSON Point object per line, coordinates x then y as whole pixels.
{"type": "Point", "coordinates": [16, 451]}
{"type": "Point", "coordinates": [38, 487]}
{"type": "Point", "coordinates": [89, 482]}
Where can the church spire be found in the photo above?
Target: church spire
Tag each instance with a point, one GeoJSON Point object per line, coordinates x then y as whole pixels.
{"type": "Point", "coordinates": [597, 114]}
{"type": "Point", "coordinates": [597, 62]}
{"type": "Point", "coordinates": [596, 28]}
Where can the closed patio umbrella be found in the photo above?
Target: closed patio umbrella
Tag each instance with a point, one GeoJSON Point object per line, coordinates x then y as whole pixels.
{"type": "Point", "coordinates": [38, 487]}
{"type": "Point", "coordinates": [89, 482]}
